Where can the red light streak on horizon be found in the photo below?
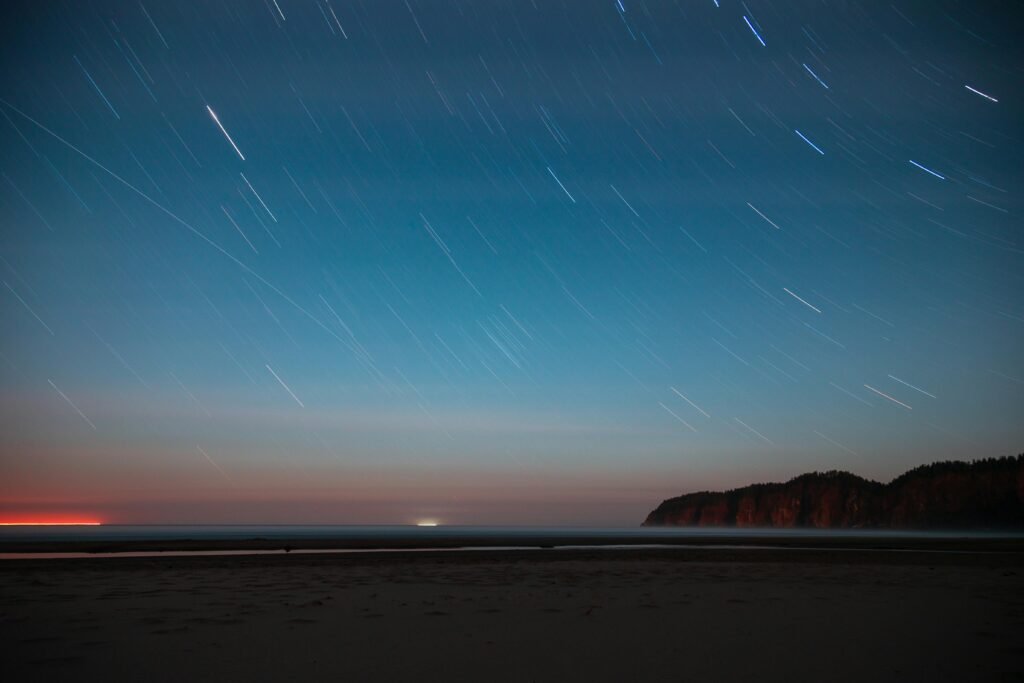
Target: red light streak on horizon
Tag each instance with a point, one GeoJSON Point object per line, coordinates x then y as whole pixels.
{"type": "Point", "coordinates": [51, 523]}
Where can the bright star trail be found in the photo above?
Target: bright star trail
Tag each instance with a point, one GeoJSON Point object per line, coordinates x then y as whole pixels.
{"type": "Point", "coordinates": [499, 262]}
{"type": "Point", "coordinates": [804, 138]}
{"type": "Point", "coordinates": [928, 170]}
{"type": "Point", "coordinates": [226, 134]}
{"type": "Point", "coordinates": [978, 92]}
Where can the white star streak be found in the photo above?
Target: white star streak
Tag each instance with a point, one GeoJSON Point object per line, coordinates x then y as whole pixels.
{"type": "Point", "coordinates": [210, 460]}
{"type": "Point", "coordinates": [978, 92]}
{"type": "Point", "coordinates": [835, 443]}
{"type": "Point", "coordinates": [754, 31]}
{"type": "Point", "coordinates": [417, 22]}
{"type": "Point", "coordinates": [561, 185]}
{"type": "Point", "coordinates": [177, 219]}
{"type": "Point", "coordinates": [908, 384]}
{"type": "Point", "coordinates": [222, 130]}
{"type": "Point", "coordinates": [72, 404]}
{"type": "Point", "coordinates": [100, 92]}
{"type": "Point", "coordinates": [669, 411]}
{"type": "Point", "coordinates": [804, 138]}
{"type": "Point", "coordinates": [27, 307]}
{"type": "Point", "coordinates": [816, 77]}
{"type": "Point", "coordinates": [927, 170]}
{"type": "Point", "coordinates": [281, 381]}
{"type": "Point", "coordinates": [448, 254]}
{"type": "Point", "coordinates": [884, 395]}
{"type": "Point", "coordinates": [851, 394]}
{"type": "Point", "coordinates": [754, 431]}
{"type": "Point", "coordinates": [763, 216]}
{"type": "Point", "coordinates": [702, 412]}
{"type": "Point", "coordinates": [816, 310]}
{"type": "Point", "coordinates": [624, 200]}
{"type": "Point", "coordinates": [258, 197]}
{"type": "Point", "coordinates": [238, 228]}
{"type": "Point", "coordinates": [823, 335]}
{"type": "Point", "coordinates": [340, 27]}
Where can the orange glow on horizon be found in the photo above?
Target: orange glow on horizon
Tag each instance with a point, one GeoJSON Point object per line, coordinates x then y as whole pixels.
{"type": "Point", "coordinates": [51, 523]}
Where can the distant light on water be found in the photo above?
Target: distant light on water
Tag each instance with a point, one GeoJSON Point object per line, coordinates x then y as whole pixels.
{"type": "Point", "coordinates": [426, 522]}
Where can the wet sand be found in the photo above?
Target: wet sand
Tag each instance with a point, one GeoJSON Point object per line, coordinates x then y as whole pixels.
{"type": "Point", "coordinates": [468, 537]}
{"type": "Point", "coordinates": [683, 614]}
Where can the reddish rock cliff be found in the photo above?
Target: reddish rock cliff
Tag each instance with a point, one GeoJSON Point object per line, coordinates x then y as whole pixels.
{"type": "Point", "coordinates": [947, 495]}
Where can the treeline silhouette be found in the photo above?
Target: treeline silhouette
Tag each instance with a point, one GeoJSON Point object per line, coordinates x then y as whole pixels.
{"type": "Point", "coordinates": [982, 494]}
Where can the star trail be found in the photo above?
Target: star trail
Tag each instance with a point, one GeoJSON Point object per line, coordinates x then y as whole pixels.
{"type": "Point", "coordinates": [514, 262]}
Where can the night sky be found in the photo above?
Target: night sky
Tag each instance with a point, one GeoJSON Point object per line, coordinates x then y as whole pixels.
{"type": "Point", "coordinates": [499, 262]}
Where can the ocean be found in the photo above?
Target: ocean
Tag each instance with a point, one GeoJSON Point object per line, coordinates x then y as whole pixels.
{"type": "Point", "coordinates": [24, 542]}
{"type": "Point", "coordinates": [164, 532]}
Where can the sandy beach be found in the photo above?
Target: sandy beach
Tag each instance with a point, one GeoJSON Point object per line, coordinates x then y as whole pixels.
{"type": "Point", "coordinates": [713, 614]}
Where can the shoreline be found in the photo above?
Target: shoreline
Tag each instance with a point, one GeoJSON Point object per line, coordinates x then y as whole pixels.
{"type": "Point", "coordinates": [468, 540]}
{"type": "Point", "coordinates": [413, 558]}
{"type": "Point", "coordinates": [637, 549]}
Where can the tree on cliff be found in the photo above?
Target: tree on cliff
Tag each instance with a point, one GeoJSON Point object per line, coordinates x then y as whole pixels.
{"type": "Point", "coordinates": [986, 493]}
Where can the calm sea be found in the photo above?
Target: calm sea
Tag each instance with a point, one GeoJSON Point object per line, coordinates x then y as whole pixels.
{"type": "Point", "coordinates": [450, 538]}
{"type": "Point", "coordinates": [154, 532]}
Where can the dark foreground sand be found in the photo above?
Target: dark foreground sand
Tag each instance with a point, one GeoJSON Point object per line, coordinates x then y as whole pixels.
{"type": "Point", "coordinates": [540, 615]}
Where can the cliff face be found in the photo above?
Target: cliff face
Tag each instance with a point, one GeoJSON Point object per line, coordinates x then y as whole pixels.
{"type": "Point", "coordinates": [984, 494]}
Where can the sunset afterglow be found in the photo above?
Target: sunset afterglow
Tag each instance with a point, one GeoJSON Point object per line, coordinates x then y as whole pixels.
{"type": "Point", "coordinates": [50, 523]}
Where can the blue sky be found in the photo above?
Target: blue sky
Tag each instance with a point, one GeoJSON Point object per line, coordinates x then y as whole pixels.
{"type": "Point", "coordinates": [500, 262]}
